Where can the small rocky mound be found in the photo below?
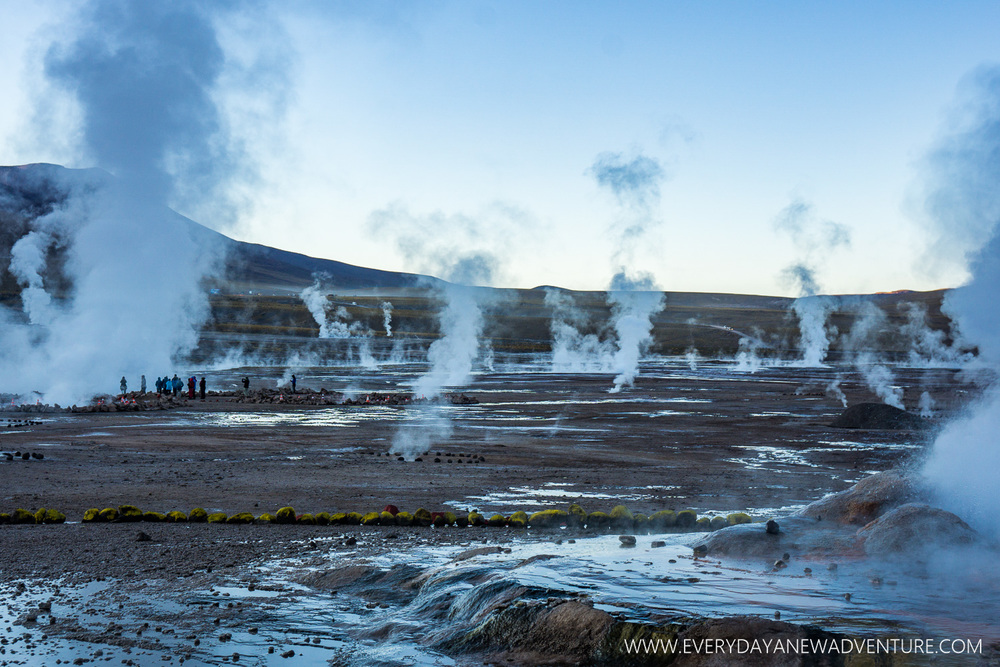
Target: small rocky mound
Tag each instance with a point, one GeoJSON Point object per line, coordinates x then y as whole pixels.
{"type": "Point", "coordinates": [914, 528]}
{"type": "Point", "coordinates": [878, 416]}
{"type": "Point", "coordinates": [797, 535]}
{"type": "Point", "coordinates": [866, 500]}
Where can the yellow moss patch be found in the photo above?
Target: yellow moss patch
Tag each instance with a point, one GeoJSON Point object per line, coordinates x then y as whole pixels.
{"type": "Point", "coordinates": [404, 519]}
{"type": "Point", "coordinates": [322, 519]}
{"type": "Point", "coordinates": [153, 517]}
{"type": "Point", "coordinates": [518, 519]}
{"type": "Point", "coordinates": [217, 517]}
{"type": "Point", "coordinates": [663, 519]}
{"type": "Point", "coordinates": [198, 515]}
{"type": "Point", "coordinates": [548, 519]}
{"type": "Point", "coordinates": [108, 514]}
{"type": "Point", "coordinates": [577, 515]}
{"type": "Point", "coordinates": [371, 519]}
{"type": "Point", "coordinates": [306, 519]}
{"type": "Point", "coordinates": [621, 517]}
{"type": "Point", "coordinates": [687, 518]}
{"type": "Point", "coordinates": [129, 513]}
{"type": "Point", "coordinates": [285, 515]}
{"type": "Point", "coordinates": [737, 518]}
{"type": "Point", "coordinates": [422, 517]}
{"type": "Point", "coordinates": [176, 517]}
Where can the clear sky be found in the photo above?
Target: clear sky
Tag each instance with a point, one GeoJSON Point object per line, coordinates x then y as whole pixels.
{"type": "Point", "coordinates": [711, 144]}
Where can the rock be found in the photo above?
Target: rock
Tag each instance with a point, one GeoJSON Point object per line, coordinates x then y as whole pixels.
{"type": "Point", "coordinates": [129, 513]}
{"type": "Point", "coordinates": [914, 529]}
{"type": "Point", "coordinates": [662, 520]}
{"type": "Point", "coordinates": [142, 537]}
{"type": "Point", "coordinates": [548, 519]}
{"type": "Point", "coordinates": [864, 501]}
{"type": "Point", "coordinates": [657, 544]}
{"type": "Point", "coordinates": [627, 540]}
{"type": "Point", "coordinates": [687, 519]}
{"type": "Point", "coordinates": [621, 517]}
{"type": "Point", "coordinates": [772, 527]}
{"type": "Point", "coordinates": [737, 518]}
{"type": "Point", "coordinates": [285, 515]}
{"type": "Point", "coordinates": [472, 553]}
{"type": "Point", "coordinates": [798, 534]}
{"type": "Point", "coordinates": [878, 416]}
{"type": "Point", "coordinates": [576, 516]}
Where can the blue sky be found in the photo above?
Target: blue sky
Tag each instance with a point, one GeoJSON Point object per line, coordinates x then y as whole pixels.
{"type": "Point", "coordinates": [407, 135]}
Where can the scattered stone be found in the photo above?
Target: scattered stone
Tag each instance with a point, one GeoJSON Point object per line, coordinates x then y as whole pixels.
{"type": "Point", "coordinates": [627, 540]}
{"type": "Point", "coordinates": [772, 527]}
{"type": "Point", "coordinates": [656, 544]}
{"type": "Point", "coordinates": [142, 537]}
{"type": "Point", "coordinates": [780, 564]}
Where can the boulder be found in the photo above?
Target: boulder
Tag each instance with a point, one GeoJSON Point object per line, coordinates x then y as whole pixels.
{"type": "Point", "coordinates": [798, 535]}
{"type": "Point", "coordinates": [864, 501]}
{"type": "Point", "coordinates": [914, 528]}
{"type": "Point", "coordinates": [878, 416]}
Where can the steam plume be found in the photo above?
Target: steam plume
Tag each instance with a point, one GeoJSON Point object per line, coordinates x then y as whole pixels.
{"type": "Point", "coordinates": [964, 201]}
{"type": "Point", "coordinates": [573, 351]}
{"type": "Point", "coordinates": [634, 302]}
{"type": "Point", "coordinates": [387, 318]}
{"type": "Point", "coordinates": [814, 240]}
{"type": "Point", "coordinates": [144, 77]}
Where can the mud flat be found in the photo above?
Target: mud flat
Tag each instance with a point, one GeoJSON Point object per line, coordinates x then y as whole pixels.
{"type": "Point", "coordinates": [707, 439]}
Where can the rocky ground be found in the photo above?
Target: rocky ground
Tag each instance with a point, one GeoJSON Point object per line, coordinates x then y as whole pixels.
{"type": "Point", "coordinates": [721, 444]}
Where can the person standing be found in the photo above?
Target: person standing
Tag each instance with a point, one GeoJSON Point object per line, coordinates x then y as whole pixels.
{"type": "Point", "coordinates": [293, 384]}
{"type": "Point", "coordinates": [191, 387]}
{"type": "Point", "coordinates": [246, 385]}
{"type": "Point", "coordinates": [176, 383]}
{"type": "Point", "coordinates": [124, 385]}
{"type": "Point", "coordinates": [201, 388]}
{"type": "Point", "coordinates": [142, 385]}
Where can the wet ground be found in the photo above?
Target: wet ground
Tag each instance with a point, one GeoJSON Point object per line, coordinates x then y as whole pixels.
{"type": "Point", "coordinates": [709, 438]}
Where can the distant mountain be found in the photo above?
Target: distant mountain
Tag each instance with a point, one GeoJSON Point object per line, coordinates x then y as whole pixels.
{"type": "Point", "coordinates": [30, 191]}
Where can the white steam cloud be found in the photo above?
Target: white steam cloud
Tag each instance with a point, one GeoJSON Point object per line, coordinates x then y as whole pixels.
{"type": "Point", "coordinates": [144, 78]}
{"type": "Point", "coordinates": [861, 342]}
{"type": "Point", "coordinates": [814, 334]}
{"type": "Point", "coordinates": [814, 240]}
{"type": "Point", "coordinates": [964, 202]}
{"type": "Point", "coordinates": [634, 302]}
{"type": "Point", "coordinates": [573, 351]}
{"type": "Point", "coordinates": [387, 318]}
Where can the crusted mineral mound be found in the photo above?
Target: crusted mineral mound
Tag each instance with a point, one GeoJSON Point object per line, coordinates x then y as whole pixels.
{"type": "Point", "coordinates": [866, 500]}
{"type": "Point", "coordinates": [913, 528]}
{"type": "Point", "coordinates": [878, 416]}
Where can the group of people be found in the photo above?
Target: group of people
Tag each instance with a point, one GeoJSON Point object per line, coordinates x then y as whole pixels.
{"type": "Point", "coordinates": [173, 386]}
